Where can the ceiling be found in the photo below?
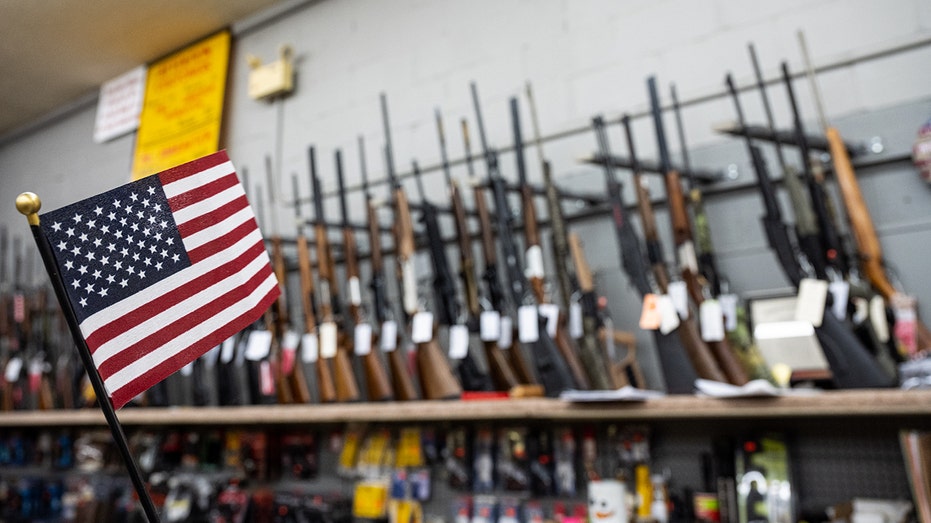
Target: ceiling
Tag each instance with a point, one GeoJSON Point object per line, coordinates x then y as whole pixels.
{"type": "Point", "coordinates": [55, 53]}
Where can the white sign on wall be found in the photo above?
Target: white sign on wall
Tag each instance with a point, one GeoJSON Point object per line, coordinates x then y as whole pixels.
{"type": "Point", "coordinates": [119, 105]}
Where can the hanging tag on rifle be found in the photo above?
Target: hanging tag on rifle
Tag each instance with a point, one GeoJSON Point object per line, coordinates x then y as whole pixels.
{"type": "Point", "coordinates": [729, 308]}
{"type": "Point", "coordinates": [840, 291]}
{"type": "Point", "coordinates": [422, 327]}
{"type": "Point", "coordinates": [389, 335]}
{"type": "Point", "coordinates": [528, 328]}
{"type": "Point", "coordinates": [362, 339]}
{"type": "Point", "coordinates": [875, 311]}
{"type": "Point", "coordinates": [687, 258]}
{"type": "Point", "coordinates": [534, 262]}
{"type": "Point", "coordinates": [812, 296]}
{"type": "Point", "coordinates": [550, 311]}
{"type": "Point", "coordinates": [507, 333]}
{"type": "Point", "coordinates": [576, 329]}
{"type": "Point", "coordinates": [13, 368]}
{"type": "Point", "coordinates": [678, 293]}
{"type": "Point", "coordinates": [266, 378]}
{"type": "Point", "coordinates": [259, 345]}
{"type": "Point", "coordinates": [669, 317]}
{"type": "Point", "coordinates": [289, 345]}
{"type": "Point", "coordinates": [355, 291]}
{"type": "Point", "coordinates": [650, 318]}
{"type": "Point", "coordinates": [309, 348]}
{"type": "Point", "coordinates": [905, 328]}
{"type": "Point", "coordinates": [228, 350]}
{"type": "Point", "coordinates": [489, 326]}
{"type": "Point", "coordinates": [711, 318]}
{"type": "Point", "coordinates": [409, 286]}
{"type": "Point", "coordinates": [458, 342]}
{"type": "Point", "coordinates": [328, 339]}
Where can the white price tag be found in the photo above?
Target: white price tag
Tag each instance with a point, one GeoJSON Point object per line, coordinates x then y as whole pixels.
{"type": "Point", "coordinates": [576, 329]}
{"type": "Point", "coordinates": [309, 348]}
{"type": "Point", "coordinates": [389, 336]}
{"type": "Point", "coordinates": [687, 258]}
{"type": "Point", "coordinates": [678, 293]}
{"type": "Point", "coordinates": [550, 311]}
{"type": "Point", "coordinates": [409, 287]}
{"type": "Point", "coordinates": [669, 317]}
{"type": "Point", "coordinates": [528, 328]}
{"type": "Point", "coordinates": [490, 326]}
{"type": "Point", "coordinates": [840, 291]}
{"type": "Point", "coordinates": [355, 291]}
{"type": "Point", "coordinates": [362, 339]}
{"type": "Point", "coordinates": [711, 319]}
{"type": "Point", "coordinates": [729, 308]}
{"type": "Point", "coordinates": [13, 368]}
{"type": "Point", "coordinates": [260, 343]}
{"type": "Point", "coordinates": [290, 341]}
{"type": "Point", "coordinates": [188, 369]}
{"type": "Point", "coordinates": [809, 306]}
{"type": "Point", "coordinates": [328, 339]}
{"type": "Point", "coordinates": [878, 318]}
{"type": "Point", "coordinates": [534, 262]}
{"type": "Point", "coordinates": [458, 342]}
{"type": "Point", "coordinates": [422, 327]}
{"type": "Point", "coordinates": [228, 350]}
{"type": "Point", "coordinates": [507, 333]}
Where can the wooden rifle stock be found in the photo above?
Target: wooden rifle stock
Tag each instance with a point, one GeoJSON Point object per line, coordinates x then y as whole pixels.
{"type": "Point", "coordinates": [287, 389]}
{"type": "Point", "coordinates": [325, 384]}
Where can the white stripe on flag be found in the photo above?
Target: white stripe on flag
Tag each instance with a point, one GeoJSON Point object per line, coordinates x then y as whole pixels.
{"type": "Point", "coordinates": [105, 316]}
{"type": "Point", "coordinates": [203, 207]}
{"type": "Point", "coordinates": [194, 181]}
{"type": "Point", "coordinates": [217, 230]}
{"type": "Point", "coordinates": [186, 307]}
{"type": "Point", "coordinates": [139, 367]}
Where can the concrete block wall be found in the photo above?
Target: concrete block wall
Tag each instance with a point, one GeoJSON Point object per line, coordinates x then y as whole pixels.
{"type": "Point", "coordinates": [582, 59]}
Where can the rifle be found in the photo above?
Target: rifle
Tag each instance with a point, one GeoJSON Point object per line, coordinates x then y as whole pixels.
{"type": "Point", "coordinates": [331, 349]}
{"type": "Point", "coordinates": [751, 360]}
{"type": "Point", "coordinates": [505, 375]}
{"type": "Point", "coordinates": [436, 378]}
{"type": "Point", "coordinates": [809, 229]}
{"type": "Point", "coordinates": [377, 384]}
{"type": "Point", "coordinates": [401, 382]}
{"type": "Point", "coordinates": [869, 250]}
{"type": "Point", "coordinates": [850, 362]}
{"type": "Point", "coordinates": [677, 368]}
{"type": "Point", "coordinates": [471, 375]}
{"type": "Point", "coordinates": [721, 350]}
{"type": "Point", "coordinates": [550, 365]}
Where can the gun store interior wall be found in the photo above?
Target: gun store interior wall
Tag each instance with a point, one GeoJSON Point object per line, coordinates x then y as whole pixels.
{"type": "Point", "coordinates": [581, 59]}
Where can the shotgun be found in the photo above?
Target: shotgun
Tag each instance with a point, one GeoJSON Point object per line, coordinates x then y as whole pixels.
{"type": "Point", "coordinates": [678, 371]}
{"type": "Point", "coordinates": [851, 364]}
{"type": "Point", "coordinates": [377, 383]}
{"type": "Point", "coordinates": [401, 383]}
{"type": "Point", "coordinates": [332, 349]}
{"type": "Point", "coordinates": [436, 379]}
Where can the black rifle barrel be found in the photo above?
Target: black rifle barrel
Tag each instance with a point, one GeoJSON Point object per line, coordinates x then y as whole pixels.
{"type": "Point", "coordinates": [658, 123]}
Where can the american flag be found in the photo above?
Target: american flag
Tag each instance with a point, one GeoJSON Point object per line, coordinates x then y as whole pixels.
{"type": "Point", "coordinates": [161, 270]}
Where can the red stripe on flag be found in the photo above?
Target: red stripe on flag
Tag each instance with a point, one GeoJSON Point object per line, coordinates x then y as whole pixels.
{"type": "Point", "coordinates": [222, 242]}
{"type": "Point", "coordinates": [181, 326]}
{"type": "Point", "coordinates": [161, 371]}
{"type": "Point", "coordinates": [193, 167]}
{"type": "Point", "coordinates": [213, 217]}
{"type": "Point", "coordinates": [202, 192]}
{"type": "Point", "coordinates": [163, 302]}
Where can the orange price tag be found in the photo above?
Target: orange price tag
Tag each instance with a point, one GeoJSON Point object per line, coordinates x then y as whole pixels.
{"type": "Point", "coordinates": [650, 316]}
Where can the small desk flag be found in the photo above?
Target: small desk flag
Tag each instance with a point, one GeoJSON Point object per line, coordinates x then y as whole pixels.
{"type": "Point", "coordinates": [161, 270]}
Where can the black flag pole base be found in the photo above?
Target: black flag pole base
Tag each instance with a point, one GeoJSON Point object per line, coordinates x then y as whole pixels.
{"type": "Point", "coordinates": [29, 204]}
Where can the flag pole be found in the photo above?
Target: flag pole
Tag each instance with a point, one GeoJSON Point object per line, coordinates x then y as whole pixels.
{"type": "Point", "coordinates": [29, 204]}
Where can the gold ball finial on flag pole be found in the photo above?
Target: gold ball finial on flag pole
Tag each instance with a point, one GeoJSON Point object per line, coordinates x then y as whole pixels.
{"type": "Point", "coordinates": [28, 204]}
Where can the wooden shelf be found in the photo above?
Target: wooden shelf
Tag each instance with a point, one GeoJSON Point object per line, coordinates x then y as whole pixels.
{"type": "Point", "coordinates": [829, 404]}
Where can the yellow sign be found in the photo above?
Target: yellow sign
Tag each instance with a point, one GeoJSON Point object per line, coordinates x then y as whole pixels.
{"type": "Point", "coordinates": [183, 106]}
